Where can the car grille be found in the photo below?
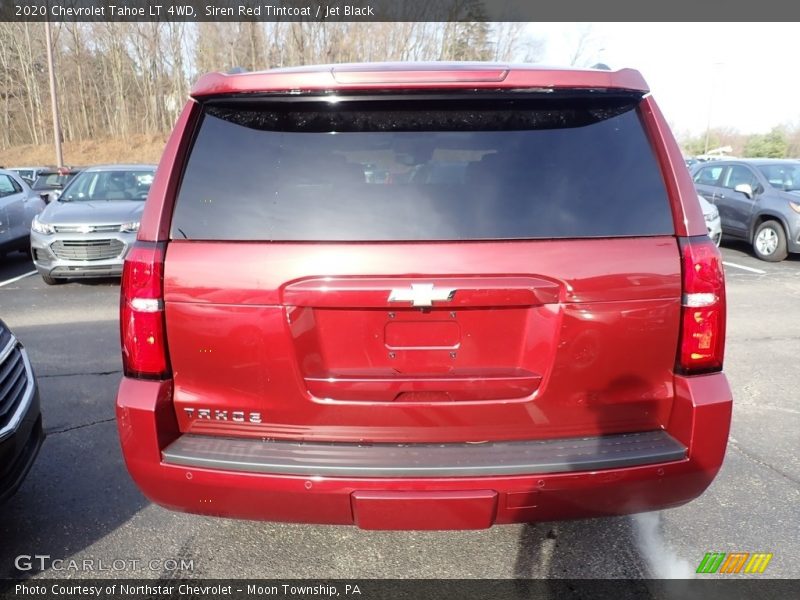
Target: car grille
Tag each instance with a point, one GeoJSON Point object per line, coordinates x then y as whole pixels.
{"type": "Point", "coordinates": [87, 249]}
{"type": "Point", "coordinates": [13, 379]}
{"type": "Point", "coordinates": [81, 228]}
{"type": "Point", "coordinates": [5, 336]}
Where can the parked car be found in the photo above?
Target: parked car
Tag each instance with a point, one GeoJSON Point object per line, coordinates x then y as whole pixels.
{"type": "Point", "coordinates": [527, 341]}
{"type": "Point", "coordinates": [89, 229]}
{"type": "Point", "coordinates": [50, 183]}
{"type": "Point", "coordinates": [29, 174]}
{"type": "Point", "coordinates": [713, 222]}
{"type": "Point", "coordinates": [18, 206]}
{"type": "Point", "coordinates": [21, 433]}
{"type": "Point", "coordinates": [691, 162]}
{"type": "Point", "coordinates": [758, 201]}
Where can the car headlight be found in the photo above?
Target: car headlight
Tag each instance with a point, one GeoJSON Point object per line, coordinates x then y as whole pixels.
{"type": "Point", "coordinates": [131, 227]}
{"type": "Point", "coordinates": [712, 215]}
{"type": "Point", "coordinates": [39, 227]}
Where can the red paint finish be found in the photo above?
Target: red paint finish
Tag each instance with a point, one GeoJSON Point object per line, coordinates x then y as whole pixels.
{"type": "Point", "coordinates": [700, 419]}
{"type": "Point", "coordinates": [419, 333]}
{"type": "Point", "coordinates": [424, 510]}
{"type": "Point", "coordinates": [417, 76]}
{"type": "Point", "coordinates": [539, 339]}
{"type": "Point", "coordinates": [569, 348]}
{"type": "Point", "coordinates": [374, 292]}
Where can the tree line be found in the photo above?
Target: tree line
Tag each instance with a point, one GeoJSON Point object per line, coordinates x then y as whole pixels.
{"type": "Point", "coordinates": [782, 141]}
{"type": "Point", "coordinates": [120, 79]}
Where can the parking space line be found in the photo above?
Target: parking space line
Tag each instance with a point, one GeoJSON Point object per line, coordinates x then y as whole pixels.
{"type": "Point", "coordinates": [751, 269]}
{"type": "Point", "coordinates": [17, 278]}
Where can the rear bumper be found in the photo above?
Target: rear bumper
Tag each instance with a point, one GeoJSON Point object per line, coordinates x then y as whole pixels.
{"type": "Point", "coordinates": [700, 422]}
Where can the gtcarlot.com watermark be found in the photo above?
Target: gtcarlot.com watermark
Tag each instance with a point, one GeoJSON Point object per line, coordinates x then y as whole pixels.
{"type": "Point", "coordinates": [44, 562]}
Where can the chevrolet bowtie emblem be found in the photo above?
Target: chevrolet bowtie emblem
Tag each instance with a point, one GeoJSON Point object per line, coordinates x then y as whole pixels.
{"type": "Point", "coordinates": [422, 294]}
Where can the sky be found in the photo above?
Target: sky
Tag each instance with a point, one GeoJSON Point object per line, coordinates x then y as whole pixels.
{"type": "Point", "coordinates": [744, 76]}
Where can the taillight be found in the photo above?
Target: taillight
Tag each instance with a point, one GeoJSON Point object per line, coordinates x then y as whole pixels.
{"type": "Point", "coordinates": [142, 328]}
{"type": "Point", "coordinates": [702, 338]}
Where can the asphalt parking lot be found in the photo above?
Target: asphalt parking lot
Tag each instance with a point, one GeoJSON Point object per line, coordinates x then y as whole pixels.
{"type": "Point", "coordinates": [79, 503]}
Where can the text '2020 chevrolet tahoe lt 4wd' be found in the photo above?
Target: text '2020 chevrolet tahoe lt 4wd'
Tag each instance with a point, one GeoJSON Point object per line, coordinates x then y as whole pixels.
{"type": "Point", "coordinates": [522, 320]}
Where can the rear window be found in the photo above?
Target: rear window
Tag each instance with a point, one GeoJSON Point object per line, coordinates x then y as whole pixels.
{"type": "Point", "coordinates": [50, 181]}
{"type": "Point", "coordinates": [421, 169]}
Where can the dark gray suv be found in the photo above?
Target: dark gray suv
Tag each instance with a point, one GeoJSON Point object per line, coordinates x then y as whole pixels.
{"type": "Point", "coordinates": [758, 201]}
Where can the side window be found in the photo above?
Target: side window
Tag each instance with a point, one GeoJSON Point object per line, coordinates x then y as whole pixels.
{"type": "Point", "coordinates": [8, 186]}
{"type": "Point", "coordinates": [737, 175]}
{"type": "Point", "coordinates": [709, 175]}
{"type": "Point", "coordinates": [782, 176]}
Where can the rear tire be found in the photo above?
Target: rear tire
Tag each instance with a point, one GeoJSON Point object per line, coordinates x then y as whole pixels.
{"type": "Point", "coordinates": [51, 280]}
{"type": "Point", "coordinates": [769, 242]}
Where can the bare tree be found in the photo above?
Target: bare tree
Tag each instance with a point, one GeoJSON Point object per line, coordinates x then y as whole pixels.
{"type": "Point", "coordinates": [120, 79]}
{"type": "Point", "coordinates": [586, 46]}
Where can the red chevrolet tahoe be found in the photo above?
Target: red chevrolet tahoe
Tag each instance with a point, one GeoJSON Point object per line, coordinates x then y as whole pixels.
{"type": "Point", "coordinates": [422, 296]}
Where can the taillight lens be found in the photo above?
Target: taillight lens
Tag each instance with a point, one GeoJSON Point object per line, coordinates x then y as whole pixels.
{"type": "Point", "coordinates": [144, 342]}
{"type": "Point", "coordinates": [702, 339]}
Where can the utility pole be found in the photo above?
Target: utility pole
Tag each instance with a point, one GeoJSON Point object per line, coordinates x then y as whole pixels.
{"type": "Point", "coordinates": [717, 65]}
{"type": "Point", "coordinates": [53, 97]}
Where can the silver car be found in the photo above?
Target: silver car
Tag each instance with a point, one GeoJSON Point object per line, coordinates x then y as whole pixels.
{"type": "Point", "coordinates": [87, 232]}
{"type": "Point", "coordinates": [713, 222]}
{"type": "Point", "coordinates": [18, 205]}
{"type": "Point", "coordinates": [29, 174]}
